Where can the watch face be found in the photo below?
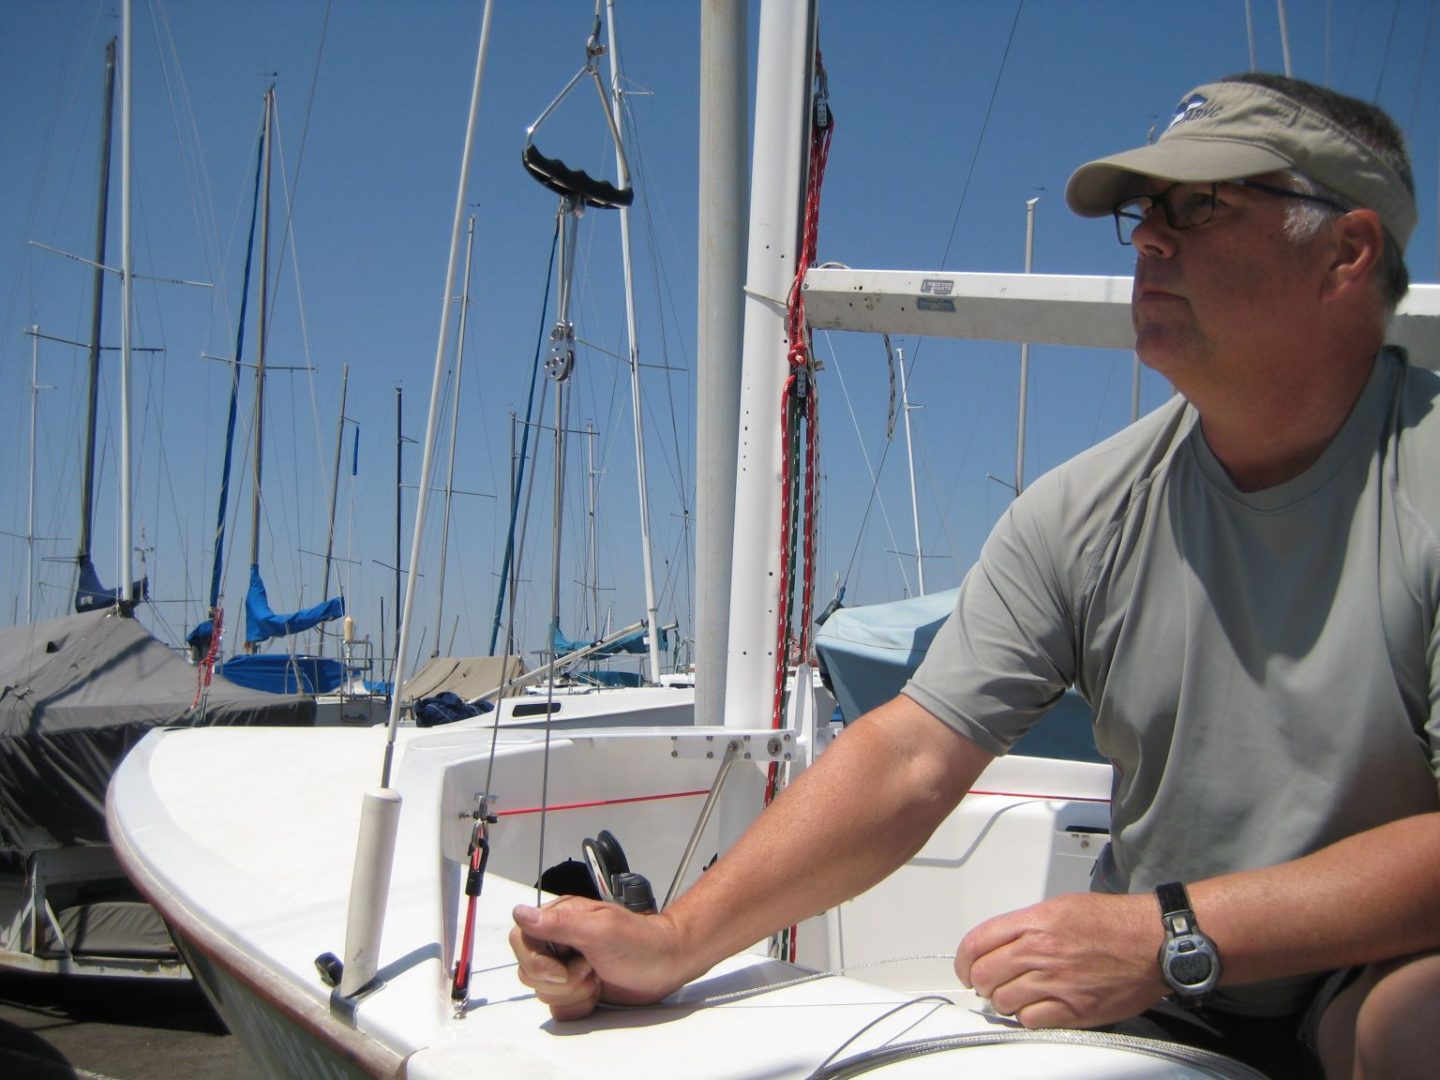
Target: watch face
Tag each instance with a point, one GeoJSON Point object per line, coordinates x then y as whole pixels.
{"type": "Point", "coordinates": [1190, 968]}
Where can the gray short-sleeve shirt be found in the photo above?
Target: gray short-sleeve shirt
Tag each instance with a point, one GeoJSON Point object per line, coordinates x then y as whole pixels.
{"type": "Point", "coordinates": [1263, 667]}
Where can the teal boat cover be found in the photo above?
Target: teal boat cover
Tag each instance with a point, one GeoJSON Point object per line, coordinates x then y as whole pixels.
{"type": "Point", "coordinates": [633, 643]}
{"type": "Point", "coordinates": [868, 653]}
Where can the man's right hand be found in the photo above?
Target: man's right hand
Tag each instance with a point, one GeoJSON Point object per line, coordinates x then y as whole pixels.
{"type": "Point", "coordinates": [573, 952]}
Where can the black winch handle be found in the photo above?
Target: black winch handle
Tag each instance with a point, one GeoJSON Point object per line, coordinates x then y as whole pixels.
{"type": "Point", "coordinates": [574, 183]}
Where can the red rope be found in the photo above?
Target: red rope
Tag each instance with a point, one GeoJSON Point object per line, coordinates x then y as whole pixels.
{"type": "Point", "coordinates": [555, 808]}
{"type": "Point", "coordinates": [206, 668]}
{"type": "Point", "coordinates": [800, 405]}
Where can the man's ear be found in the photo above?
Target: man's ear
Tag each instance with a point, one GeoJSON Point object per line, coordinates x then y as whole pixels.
{"type": "Point", "coordinates": [1359, 241]}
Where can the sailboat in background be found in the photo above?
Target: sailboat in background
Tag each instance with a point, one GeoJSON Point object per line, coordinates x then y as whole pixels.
{"type": "Point", "coordinates": [284, 672]}
{"type": "Point", "coordinates": [79, 692]}
{"type": "Point", "coordinates": [90, 593]}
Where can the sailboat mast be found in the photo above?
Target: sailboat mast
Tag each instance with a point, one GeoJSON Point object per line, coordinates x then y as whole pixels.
{"type": "Point", "coordinates": [652, 631]}
{"type": "Point", "coordinates": [217, 563]}
{"type": "Point", "coordinates": [592, 477]}
{"type": "Point", "coordinates": [1024, 358]}
{"type": "Point", "coordinates": [910, 460]}
{"type": "Point", "coordinates": [35, 389]}
{"type": "Point", "coordinates": [262, 334]}
{"type": "Point", "coordinates": [784, 76]}
{"type": "Point", "coordinates": [102, 221]}
{"type": "Point", "coordinates": [719, 331]}
{"type": "Point", "coordinates": [335, 487]}
{"type": "Point", "coordinates": [418, 533]}
{"type": "Point", "coordinates": [399, 510]}
{"type": "Point", "coordinates": [127, 287]}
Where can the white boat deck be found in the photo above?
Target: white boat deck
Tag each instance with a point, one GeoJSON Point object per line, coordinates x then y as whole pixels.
{"type": "Point", "coordinates": [270, 861]}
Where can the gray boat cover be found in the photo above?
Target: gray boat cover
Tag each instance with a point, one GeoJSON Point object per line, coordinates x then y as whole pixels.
{"type": "Point", "coordinates": [76, 693]}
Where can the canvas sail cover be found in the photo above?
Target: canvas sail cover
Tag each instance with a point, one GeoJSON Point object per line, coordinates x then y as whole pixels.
{"type": "Point", "coordinates": [76, 693]}
{"type": "Point", "coordinates": [633, 643]}
{"type": "Point", "coordinates": [262, 624]}
{"type": "Point", "coordinates": [469, 677]}
{"type": "Point", "coordinates": [92, 595]}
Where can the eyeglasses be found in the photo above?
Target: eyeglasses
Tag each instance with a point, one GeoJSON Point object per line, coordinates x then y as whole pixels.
{"type": "Point", "coordinates": [1189, 205]}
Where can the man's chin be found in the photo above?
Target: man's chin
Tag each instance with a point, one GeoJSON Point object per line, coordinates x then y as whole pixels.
{"type": "Point", "coordinates": [1164, 360]}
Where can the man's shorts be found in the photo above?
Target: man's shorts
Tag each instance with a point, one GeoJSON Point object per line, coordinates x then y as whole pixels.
{"type": "Point", "coordinates": [1281, 1047]}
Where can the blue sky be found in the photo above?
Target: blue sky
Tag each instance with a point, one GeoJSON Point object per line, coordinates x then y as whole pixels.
{"type": "Point", "coordinates": [950, 115]}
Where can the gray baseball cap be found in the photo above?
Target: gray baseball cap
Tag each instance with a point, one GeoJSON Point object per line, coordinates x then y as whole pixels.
{"type": "Point", "coordinates": [1231, 130]}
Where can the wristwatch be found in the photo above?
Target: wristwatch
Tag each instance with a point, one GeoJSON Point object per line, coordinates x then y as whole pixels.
{"type": "Point", "coordinates": [1189, 961]}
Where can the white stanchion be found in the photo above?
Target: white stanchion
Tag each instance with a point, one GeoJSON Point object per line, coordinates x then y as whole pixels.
{"type": "Point", "coordinates": [369, 887]}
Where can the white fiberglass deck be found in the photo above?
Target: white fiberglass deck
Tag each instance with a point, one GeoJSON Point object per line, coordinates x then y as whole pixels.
{"type": "Point", "coordinates": [245, 838]}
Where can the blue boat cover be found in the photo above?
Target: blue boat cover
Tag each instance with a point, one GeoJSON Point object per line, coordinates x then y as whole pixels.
{"type": "Point", "coordinates": [279, 673]}
{"type": "Point", "coordinates": [867, 654]}
{"type": "Point", "coordinates": [262, 624]}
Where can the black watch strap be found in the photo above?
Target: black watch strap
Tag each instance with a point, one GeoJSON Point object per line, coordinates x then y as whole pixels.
{"type": "Point", "coordinates": [1173, 899]}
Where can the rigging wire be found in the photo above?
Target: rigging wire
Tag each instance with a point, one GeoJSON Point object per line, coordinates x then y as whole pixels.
{"type": "Point", "coordinates": [874, 497]}
{"type": "Point", "coordinates": [1385, 53]}
{"type": "Point", "coordinates": [944, 258]}
{"type": "Point", "coordinates": [980, 139]}
{"type": "Point", "coordinates": [1424, 62]}
{"type": "Point", "coordinates": [518, 480]}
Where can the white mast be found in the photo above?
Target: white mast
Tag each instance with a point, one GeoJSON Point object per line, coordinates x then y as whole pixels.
{"type": "Point", "coordinates": [910, 458]}
{"type": "Point", "coordinates": [782, 121]}
{"type": "Point", "coordinates": [1284, 34]}
{"type": "Point", "coordinates": [719, 323]}
{"type": "Point", "coordinates": [652, 630]}
{"type": "Point", "coordinates": [438, 378]}
{"type": "Point", "coordinates": [591, 480]}
{"type": "Point", "coordinates": [1024, 357]}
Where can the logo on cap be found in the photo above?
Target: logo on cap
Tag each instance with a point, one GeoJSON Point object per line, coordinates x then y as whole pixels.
{"type": "Point", "coordinates": [1194, 107]}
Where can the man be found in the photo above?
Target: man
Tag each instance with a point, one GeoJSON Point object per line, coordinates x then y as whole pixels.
{"type": "Point", "coordinates": [1243, 585]}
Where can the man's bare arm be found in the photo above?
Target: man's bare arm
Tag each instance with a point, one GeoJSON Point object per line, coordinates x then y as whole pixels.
{"type": "Point", "coordinates": [866, 805]}
{"type": "Point", "coordinates": [1082, 960]}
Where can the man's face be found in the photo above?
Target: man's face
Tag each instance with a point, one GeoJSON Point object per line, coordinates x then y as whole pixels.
{"type": "Point", "coordinates": [1210, 300]}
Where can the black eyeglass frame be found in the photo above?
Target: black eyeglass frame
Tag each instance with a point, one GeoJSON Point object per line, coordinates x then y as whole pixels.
{"type": "Point", "coordinates": [1123, 214]}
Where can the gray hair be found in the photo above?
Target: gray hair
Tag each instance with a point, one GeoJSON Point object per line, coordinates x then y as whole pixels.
{"type": "Point", "coordinates": [1303, 221]}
